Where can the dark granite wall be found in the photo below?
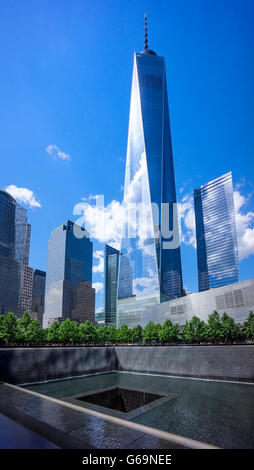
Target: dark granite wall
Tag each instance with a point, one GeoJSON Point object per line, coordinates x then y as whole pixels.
{"type": "Point", "coordinates": [39, 364]}
{"type": "Point", "coordinates": [214, 362]}
{"type": "Point", "coordinates": [211, 362]}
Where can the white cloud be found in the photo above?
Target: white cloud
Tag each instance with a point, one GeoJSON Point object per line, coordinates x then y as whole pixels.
{"type": "Point", "coordinates": [188, 234]}
{"type": "Point", "coordinates": [98, 286]}
{"type": "Point", "coordinates": [99, 268]}
{"type": "Point", "coordinates": [244, 227]}
{"type": "Point", "coordinates": [55, 152]}
{"type": "Point", "coordinates": [23, 195]}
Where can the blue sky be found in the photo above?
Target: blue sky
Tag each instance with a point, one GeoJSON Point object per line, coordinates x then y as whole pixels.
{"type": "Point", "coordinates": [65, 82]}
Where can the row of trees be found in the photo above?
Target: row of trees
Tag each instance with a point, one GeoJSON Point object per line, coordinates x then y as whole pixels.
{"type": "Point", "coordinates": [24, 330]}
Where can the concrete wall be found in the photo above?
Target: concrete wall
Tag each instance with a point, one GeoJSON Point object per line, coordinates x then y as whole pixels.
{"type": "Point", "coordinates": [39, 364]}
{"type": "Point", "coordinates": [214, 362]}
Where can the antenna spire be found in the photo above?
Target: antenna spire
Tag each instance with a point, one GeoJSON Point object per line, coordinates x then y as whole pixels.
{"type": "Point", "coordinates": [146, 37]}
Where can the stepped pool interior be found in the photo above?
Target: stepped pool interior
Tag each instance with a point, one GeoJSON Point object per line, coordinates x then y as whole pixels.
{"type": "Point", "coordinates": [218, 413]}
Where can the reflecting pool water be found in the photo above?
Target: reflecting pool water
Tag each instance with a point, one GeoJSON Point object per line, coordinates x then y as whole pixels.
{"type": "Point", "coordinates": [218, 413]}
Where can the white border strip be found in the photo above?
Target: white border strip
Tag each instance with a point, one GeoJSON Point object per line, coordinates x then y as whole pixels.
{"type": "Point", "coordinates": [183, 377]}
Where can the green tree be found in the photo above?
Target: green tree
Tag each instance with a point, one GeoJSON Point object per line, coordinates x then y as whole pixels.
{"type": "Point", "coordinates": [22, 326]}
{"type": "Point", "coordinates": [34, 332]}
{"type": "Point", "coordinates": [136, 334]}
{"type": "Point", "coordinates": [248, 327]}
{"type": "Point", "coordinates": [103, 334]}
{"type": "Point", "coordinates": [53, 333]}
{"type": "Point", "coordinates": [168, 332]}
{"type": "Point", "coordinates": [213, 329]}
{"type": "Point", "coordinates": [194, 330]}
{"type": "Point", "coordinates": [151, 332]}
{"type": "Point", "coordinates": [123, 334]}
{"type": "Point", "coordinates": [112, 334]}
{"type": "Point", "coordinates": [69, 331]}
{"type": "Point", "coordinates": [229, 329]}
{"type": "Point", "coordinates": [88, 332]}
{"type": "Point", "coordinates": [2, 329]}
{"type": "Point", "coordinates": [9, 328]}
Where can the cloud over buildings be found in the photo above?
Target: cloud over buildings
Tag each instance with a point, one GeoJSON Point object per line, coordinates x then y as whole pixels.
{"type": "Point", "coordinates": [23, 195]}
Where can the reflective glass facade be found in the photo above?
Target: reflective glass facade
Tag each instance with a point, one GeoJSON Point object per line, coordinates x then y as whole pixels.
{"type": "Point", "coordinates": [69, 262]}
{"type": "Point", "coordinates": [9, 268]}
{"type": "Point", "coordinates": [15, 274]}
{"type": "Point", "coordinates": [145, 267]}
{"type": "Point", "coordinates": [217, 252]}
{"type": "Point", "coordinates": [111, 263]}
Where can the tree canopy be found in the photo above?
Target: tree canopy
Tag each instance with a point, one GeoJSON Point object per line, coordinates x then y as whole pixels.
{"type": "Point", "coordinates": [25, 330]}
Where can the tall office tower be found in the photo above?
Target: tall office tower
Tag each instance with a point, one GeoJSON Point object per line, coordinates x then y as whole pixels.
{"type": "Point", "coordinates": [23, 234]}
{"type": "Point", "coordinates": [15, 274]}
{"type": "Point", "coordinates": [69, 264]}
{"type": "Point", "coordinates": [148, 272]}
{"type": "Point", "coordinates": [38, 295]}
{"type": "Point", "coordinates": [26, 288]}
{"type": "Point", "coordinates": [9, 266]}
{"type": "Point", "coordinates": [217, 252]}
{"type": "Point", "coordinates": [111, 262]}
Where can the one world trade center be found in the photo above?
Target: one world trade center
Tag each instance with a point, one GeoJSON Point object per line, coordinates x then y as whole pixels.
{"type": "Point", "coordinates": [150, 262]}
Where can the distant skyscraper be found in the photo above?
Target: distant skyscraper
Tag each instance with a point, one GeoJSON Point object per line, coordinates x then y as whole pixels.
{"type": "Point", "coordinates": [23, 234]}
{"type": "Point", "coordinates": [148, 273]}
{"type": "Point", "coordinates": [38, 294]}
{"type": "Point", "coordinates": [26, 288]}
{"type": "Point", "coordinates": [69, 264]}
{"type": "Point", "coordinates": [111, 262]}
{"type": "Point", "coordinates": [217, 252]}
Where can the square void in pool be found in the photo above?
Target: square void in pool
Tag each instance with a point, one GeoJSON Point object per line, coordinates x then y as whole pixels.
{"type": "Point", "coordinates": [121, 399]}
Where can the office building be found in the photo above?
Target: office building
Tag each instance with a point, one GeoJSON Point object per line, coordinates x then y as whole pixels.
{"type": "Point", "coordinates": [9, 267]}
{"type": "Point", "coordinates": [69, 264]}
{"type": "Point", "coordinates": [237, 300]}
{"type": "Point", "coordinates": [38, 295]}
{"type": "Point", "coordinates": [148, 272]}
{"type": "Point", "coordinates": [15, 274]}
{"type": "Point", "coordinates": [217, 252]}
{"type": "Point", "coordinates": [111, 263]}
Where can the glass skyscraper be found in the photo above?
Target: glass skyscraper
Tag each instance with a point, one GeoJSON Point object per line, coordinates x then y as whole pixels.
{"type": "Point", "coordinates": [111, 263]}
{"type": "Point", "coordinates": [9, 267]}
{"type": "Point", "coordinates": [69, 275]}
{"type": "Point", "coordinates": [147, 271]}
{"type": "Point", "coordinates": [217, 252]}
{"type": "Point", "coordinates": [15, 274]}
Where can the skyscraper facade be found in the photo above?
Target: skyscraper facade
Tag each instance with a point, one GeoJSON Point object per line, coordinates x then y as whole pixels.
{"type": "Point", "coordinates": [9, 267]}
{"type": "Point", "coordinates": [23, 234]}
{"type": "Point", "coordinates": [38, 294]}
{"type": "Point", "coordinates": [147, 270]}
{"type": "Point", "coordinates": [111, 263]}
{"type": "Point", "coordinates": [15, 274]}
{"type": "Point", "coordinates": [69, 264]}
{"type": "Point", "coordinates": [217, 252]}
